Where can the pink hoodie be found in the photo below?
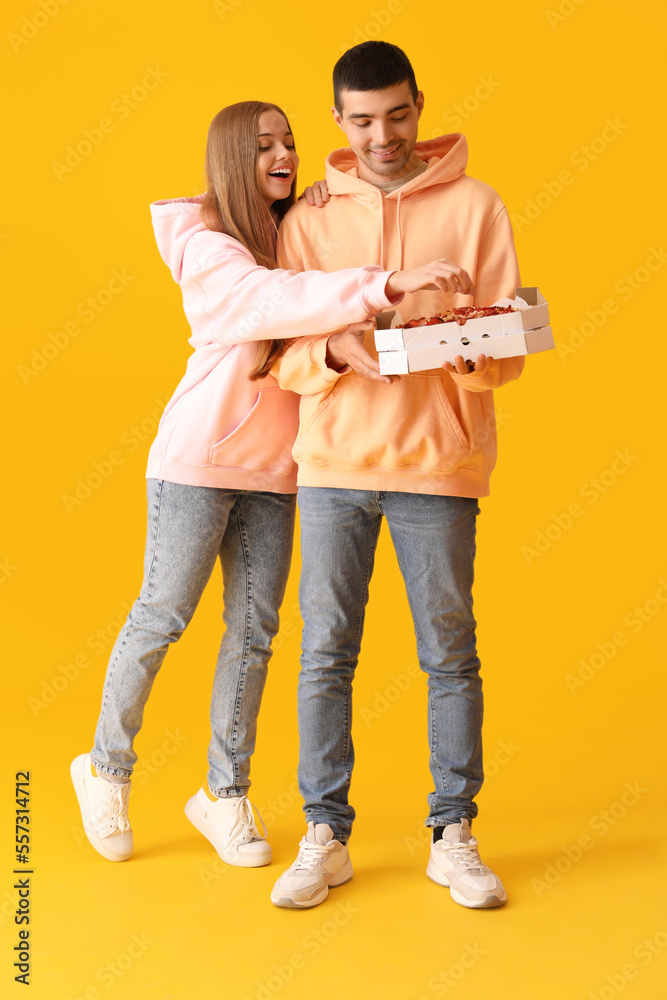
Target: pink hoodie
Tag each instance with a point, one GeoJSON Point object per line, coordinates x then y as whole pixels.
{"type": "Point", "coordinates": [219, 428]}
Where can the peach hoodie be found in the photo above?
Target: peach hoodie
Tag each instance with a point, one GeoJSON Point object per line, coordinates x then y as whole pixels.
{"type": "Point", "coordinates": [431, 432]}
{"type": "Point", "coordinates": [219, 428]}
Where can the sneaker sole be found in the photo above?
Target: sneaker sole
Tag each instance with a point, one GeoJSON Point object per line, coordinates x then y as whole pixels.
{"type": "Point", "coordinates": [340, 878]}
{"type": "Point", "coordinates": [434, 873]}
{"type": "Point", "coordinates": [76, 773]}
{"type": "Point", "coordinates": [197, 817]}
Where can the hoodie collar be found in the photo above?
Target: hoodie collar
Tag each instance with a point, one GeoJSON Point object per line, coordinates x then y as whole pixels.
{"type": "Point", "coordinates": [446, 155]}
{"type": "Point", "coordinates": [175, 221]}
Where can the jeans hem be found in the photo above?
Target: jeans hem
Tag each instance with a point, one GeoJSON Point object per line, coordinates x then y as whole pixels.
{"type": "Point", "coordinates": [434, 821]}
{"type": "Point", "coordinates": [117, 772]}
{"type": "Point", "coordinates": [341, 835]}
{"type": "Point", "coordinates": [231, 792]}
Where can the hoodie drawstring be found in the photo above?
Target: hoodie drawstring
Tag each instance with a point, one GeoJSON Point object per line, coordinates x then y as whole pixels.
{"type": "Point", "coordinates": [381, 229]}
{"type": "Point", "coordinates": [398, 226]}
{"type": "Point", "coordinates": [383, 202]}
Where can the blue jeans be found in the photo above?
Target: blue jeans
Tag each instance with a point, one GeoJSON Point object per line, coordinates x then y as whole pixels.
{"type": "Point", "coordinates": [189, 528]}
{"type": "Point", "coordinates": [434, 539]}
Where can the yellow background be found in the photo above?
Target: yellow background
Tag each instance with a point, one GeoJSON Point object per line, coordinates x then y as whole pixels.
{"type": "Point", "coordinates": [559, 754]}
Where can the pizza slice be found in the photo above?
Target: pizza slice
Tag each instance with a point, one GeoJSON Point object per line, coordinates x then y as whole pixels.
{"type": "Point", "coordinates": [460, 316]}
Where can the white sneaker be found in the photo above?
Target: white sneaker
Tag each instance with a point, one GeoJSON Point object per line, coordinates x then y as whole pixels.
{"type": "Point", "coordinates": [321, 862]}
{"type": "Point", "coordinates": [455, 862]}
{"type": "Point", "coordinates": [229, 824]}
{"type": "Point", "coordinates": [103, 807]}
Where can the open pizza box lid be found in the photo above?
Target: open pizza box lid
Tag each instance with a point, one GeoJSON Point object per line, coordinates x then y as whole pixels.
{"type": "Point", "coordinates": [532, 312]}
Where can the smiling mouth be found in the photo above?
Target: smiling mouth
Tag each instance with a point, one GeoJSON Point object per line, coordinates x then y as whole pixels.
{"type": "Point", "coordinates": [385, 154]}
{"type": "Point", "coordinates": [281, 173]}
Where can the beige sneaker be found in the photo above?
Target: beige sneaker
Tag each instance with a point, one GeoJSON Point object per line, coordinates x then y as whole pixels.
{"type": "Point", "coordinates": [321, 862]}
{"type": "Point", "coordinates": [455, 862]}
{"type": "Point", "coordinates": [103, 807]}
{"type": "Point", "coordinates": [229, 824]}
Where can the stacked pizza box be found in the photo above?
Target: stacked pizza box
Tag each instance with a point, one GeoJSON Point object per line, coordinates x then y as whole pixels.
{"type": "Point", "coordinates": [421, 348]}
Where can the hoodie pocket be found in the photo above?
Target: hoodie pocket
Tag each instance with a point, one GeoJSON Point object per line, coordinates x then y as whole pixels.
{"type": "Point", "coordinates": [265, 436]}
{"type": "Point", "coordinates": [411, 423]}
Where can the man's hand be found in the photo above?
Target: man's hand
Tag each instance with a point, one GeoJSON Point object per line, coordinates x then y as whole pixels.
{"type": "Point", "coordinates": [440, 275]}
{"type": "Point", "coordinates": [317, 195]}
{"type": "Point", "coordinates": [461, 367]}
{"type": "Point", "coordinates": [347, 348]}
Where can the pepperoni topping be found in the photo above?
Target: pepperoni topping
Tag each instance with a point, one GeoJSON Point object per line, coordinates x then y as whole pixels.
{"type": "Point", "coordinates": [460, 316]}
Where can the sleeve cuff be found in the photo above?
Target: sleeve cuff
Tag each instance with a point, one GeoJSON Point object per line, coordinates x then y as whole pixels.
{"type": "Point", "coordinates": [376, 294]}
{"type": "Point", "coordinates": [317, 355]}
{"type": "Point", "coordinates": [474, 380]}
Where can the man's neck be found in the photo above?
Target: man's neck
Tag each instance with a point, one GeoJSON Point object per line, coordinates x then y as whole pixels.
{"type": "Point", "coordinates": [366, 174]}
{"type": "Point", "coordinates": [387, 187]}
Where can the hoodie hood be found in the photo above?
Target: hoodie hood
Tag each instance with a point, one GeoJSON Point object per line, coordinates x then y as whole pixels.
{"type": "Point", "coordinates": [175, 221]}
{"type": "Point", "coordinates": [446, 155]}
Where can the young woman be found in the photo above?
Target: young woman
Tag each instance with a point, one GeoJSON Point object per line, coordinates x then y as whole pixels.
{"type": "Point", "coordinates": [221, 479]}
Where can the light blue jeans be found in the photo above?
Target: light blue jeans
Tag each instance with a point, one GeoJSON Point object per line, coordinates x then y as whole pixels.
{"type": "Point", "coordinates": [189, 528]}
{"type": "Point", "coordinates": [434, 539]}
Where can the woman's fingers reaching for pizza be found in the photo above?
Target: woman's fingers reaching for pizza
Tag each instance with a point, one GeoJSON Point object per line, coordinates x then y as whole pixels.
{"type": "Point", "coordinates": [448, 281]}
{"type": "Point", "coordinates": [440, 275]}
{"type": "Point", "coordinates": [451, 277]}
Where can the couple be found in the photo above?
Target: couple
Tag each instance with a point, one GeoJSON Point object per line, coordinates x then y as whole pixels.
{"type": "Point", "coordinates": [280, 297]}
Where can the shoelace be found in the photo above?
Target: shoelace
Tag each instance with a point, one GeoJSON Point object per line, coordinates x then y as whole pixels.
{"type": "Point", "coordinates": [465, 855]}
{"type": "Point", "coordinates": [117, 814]}
{"type": "Point", "coordinates": [246, 818]}
{"type": "Point", "coordinates": [311, 855]}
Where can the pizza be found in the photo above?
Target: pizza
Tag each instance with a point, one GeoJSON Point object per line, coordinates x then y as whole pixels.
{"type": "Point", "coordinates": [460, 316]}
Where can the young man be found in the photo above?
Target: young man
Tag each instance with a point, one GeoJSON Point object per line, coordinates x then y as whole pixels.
{"type": "Point", "coordinates": [418, 451]}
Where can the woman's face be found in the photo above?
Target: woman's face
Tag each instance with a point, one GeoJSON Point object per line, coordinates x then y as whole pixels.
{"type": "Point", "coordinates": [277, 160]}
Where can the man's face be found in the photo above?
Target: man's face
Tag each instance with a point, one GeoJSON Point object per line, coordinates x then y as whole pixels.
{"type": "Point", "coordinates": [381, 128]}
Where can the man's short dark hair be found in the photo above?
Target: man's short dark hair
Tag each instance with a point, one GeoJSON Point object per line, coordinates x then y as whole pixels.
{"type": "Point", "coordinates": [372, 66]}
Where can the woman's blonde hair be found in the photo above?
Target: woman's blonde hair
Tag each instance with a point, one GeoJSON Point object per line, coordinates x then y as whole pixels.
{"type": "Point", "coordinates": [233, 203]}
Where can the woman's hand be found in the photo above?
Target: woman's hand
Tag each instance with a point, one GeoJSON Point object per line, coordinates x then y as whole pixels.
{"type": "Point", "coordinates": [347, 349]}
{"type": "Point", "coordinates": [317, 195]}
{"type": "Point", "coordinates": [440, 275]}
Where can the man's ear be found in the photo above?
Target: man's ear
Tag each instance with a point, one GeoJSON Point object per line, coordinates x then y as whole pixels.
{"type": "Point", "coordinates": [419, 103]}
{"type": "Point", "coordinates": [337, 118]}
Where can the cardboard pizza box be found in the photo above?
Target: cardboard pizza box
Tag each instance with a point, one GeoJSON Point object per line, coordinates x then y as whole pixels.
{"type": "Point", "coordinates": [532, 312]}
{"type": "Point", "coordinates": [421, 359]}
